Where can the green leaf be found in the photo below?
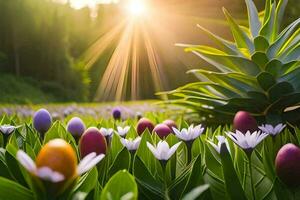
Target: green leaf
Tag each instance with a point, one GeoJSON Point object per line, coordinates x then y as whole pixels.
{"type": "Point", "coordinates": [4, 171]}
{"type": "Point", "coordinates": [57, 130]}
{"type": "Point", "coordinates": [13, 165]}
{"type": "Point", "coordinates": [266, 80]}
{"type": "Point", "coordinates": [196, 177]}
{"type": "Point", "coordinates": [146, 155]}
{"type": "Point", "coordinates": [261, 44]}
{"type": "Point", "coordinates": [233, 186]}
{"type": "Point", "coordinates": [237, 82]}
{"type": "Point", "coordinates": [226, 46]}
{"type": "Point", "coordinates": [285, 102]}
{"type": "Point", "coordinates": [10, 190]}
{"type": "Point", "coordinates": [117, 146]}
{"type": "Point", "coordinates": [279, 90]}
{"type": "Point", "coordinates": [122, 161]}
{"type": "Point", "coordinates": [282, 39]}
{"type": "Point", "coordinates": [224, 62]}
{"type": "Point", "coordinates": [87, 182]}
{"type": "Point", "coordinates": [196, 192]}
{"type": "Point", "coordinates": [292, 54]}
{"type": "Point", "coordinates": [121, 186]}
{"type": "Point", "coordinates": [274, 67]}
{"type": "Point", "coordinates": [253, 17]}
{"type": "Point", "coordinates": [268, 27]}
{"type": "Point", "coordinates": [267, 10]}
{"type": "Point", "coordinates": [150, 187]}
{"type": "Point", "coordinates": [292, 77]}
{"type": "Point", "coordinates": [279, 15]}
{"type": "Point", "coordinates": [240, 37]}
{"type": "Point", "coordinates": [260, 59]}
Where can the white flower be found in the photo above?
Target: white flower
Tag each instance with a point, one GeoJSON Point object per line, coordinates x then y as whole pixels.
{"type": "Point", "coordinates": [247, 141]}
{"type": "Point", "coordinates": [189, 134]}
{"type": "Point", "coordinates": [221, 140]}
{"type": "Point", "coordinates": [269, 129]}
{"type": "Point", "coordinates": [46, 173]}
{"type": "Point", "coordinates": [163, 151]}
{"type": "Point", "coordinates": [131, 144]}
{"type": "Point", "coordinates": [7, 129]}
{"type": "Point", "coordinates": [123, 131]}
{"type": "Point", "coordinates": [106, 132]}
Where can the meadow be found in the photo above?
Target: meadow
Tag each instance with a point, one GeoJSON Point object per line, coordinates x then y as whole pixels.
{"type": "Point", "coordinates": [148, 155]}
{"type": "Point", "coordinates": [224, 118]}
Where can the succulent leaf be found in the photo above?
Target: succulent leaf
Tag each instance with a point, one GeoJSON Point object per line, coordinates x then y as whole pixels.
{"type": "Point", "coordinates": [254, 22]}
{"type": "Point", "coordinates": [259, 72]}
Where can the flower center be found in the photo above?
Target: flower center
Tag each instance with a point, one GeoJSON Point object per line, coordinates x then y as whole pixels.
{"type": "Point", "coordinates": [59, 156]}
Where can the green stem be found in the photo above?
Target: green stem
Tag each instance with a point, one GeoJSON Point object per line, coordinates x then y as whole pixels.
{"type": "Point", "coordinates": [189, 145]}
{"type": "Point", "coordinates": [5, 139]}
{"type": "Point", "coordinates": [131, 161]}
{"type": "Point", "coordinates": [251, 177]}
{"type": "Point", "coordinates": [164, 168]}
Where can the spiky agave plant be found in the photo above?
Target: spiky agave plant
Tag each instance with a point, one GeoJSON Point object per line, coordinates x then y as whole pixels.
{"type": "Point", "coordinates": [258, 73]}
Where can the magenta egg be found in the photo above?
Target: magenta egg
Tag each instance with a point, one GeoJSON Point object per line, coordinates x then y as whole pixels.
{"type": "Point", "coordinates": [244, 122]}
{"type": "Point", "coordinates": [162, 130]}
{"type": "Point", "coordinates": [144, 124]}
{"type": "Point", "coordinates": [287, 165]}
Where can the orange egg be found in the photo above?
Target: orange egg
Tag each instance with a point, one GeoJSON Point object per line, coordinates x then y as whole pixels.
{"type": "Point", "coordinates": [59, 156]}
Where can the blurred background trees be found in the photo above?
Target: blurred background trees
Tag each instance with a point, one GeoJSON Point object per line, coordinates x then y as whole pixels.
{"type": "Point", "coordinates": [42, 43]}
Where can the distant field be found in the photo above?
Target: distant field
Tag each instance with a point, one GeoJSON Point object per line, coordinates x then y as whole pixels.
{"type": "Point", "coordinates": [94, 110]}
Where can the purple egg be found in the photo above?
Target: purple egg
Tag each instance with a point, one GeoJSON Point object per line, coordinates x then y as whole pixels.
{"type": "Point", "coordinates": [287, 165]}
{"type": "Point", "coordinates": [76, 127]}
{"type": "Point", "coordinates": [116, 113]}
{"type": "Point", "coordinates": [42, 121]}
{"type": "Point", "coordinates": [92, 141]}
{"type": "Point", "coordinates": [162, 130]}
{"type": "Point", "coordinates": [144, 124]}
{"type": "Point", "coordinates": [244, 122]}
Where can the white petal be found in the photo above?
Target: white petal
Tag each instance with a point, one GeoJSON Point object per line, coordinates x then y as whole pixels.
{"type": "Point", "coordinates": [172, 150]}
{"type": "Point", "coordinates": [124, 141]}
{"type": "Point", "coordinates": [162, 147]}
{"type": "Point", "coordinates": [153, 150]}
{"type": "Point", "coordinates": [136, 142]}
{"type": "Point", "coordinates": [176, 131]}
{"type": "Point", "coordinates": [87, 166]}
{"type": "Point", "coordinates": [26, 161]}
{"type": "Point", "coordinates": [217, 148]}
{"type": "Point", "coordinates": [119, 128]}
{"type": "Point", "coordinates": [221, 138]}
{"type": "Point", "coordinates": [7, 129]}
{"type": "Point", "coordinates": [126, 129]}
{"type": "Point", "coordinates": [48, 174]}
{"type": "Point", "coordinates": [86, 160]}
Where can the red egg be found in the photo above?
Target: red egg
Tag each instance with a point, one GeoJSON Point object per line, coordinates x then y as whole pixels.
{"type": "Point", "coordinates": [92, 141]}
{"type": "Point", "coordinates": [144, 124]}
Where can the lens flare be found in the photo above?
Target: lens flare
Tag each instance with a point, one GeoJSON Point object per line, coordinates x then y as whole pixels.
{"type": "Point", "coordinates": [136, 8]}
{"type": "Point", "coordinates": [138, 37]}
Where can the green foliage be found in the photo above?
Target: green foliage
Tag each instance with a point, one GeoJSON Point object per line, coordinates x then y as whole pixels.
{"type": "Point", "coordinates": [11, 190]}
{"type": "Point", "coordinates": [36, 41]}
{"type": "Point", "coordinates": [258, 72]}
{"type": "Point", "coordinates": [116, 189]}
{"type": "Point", "coordinates": [21, 90]}
{"type": "Point", "coordinates": [139, 175]}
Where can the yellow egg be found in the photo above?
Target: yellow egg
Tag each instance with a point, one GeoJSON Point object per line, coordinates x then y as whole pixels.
{"type": "Point", "coordinates": [59, 156]}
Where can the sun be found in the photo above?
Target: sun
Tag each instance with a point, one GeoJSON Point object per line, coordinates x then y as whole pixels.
{"type": "Point", "coordinates": [136, 8]}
